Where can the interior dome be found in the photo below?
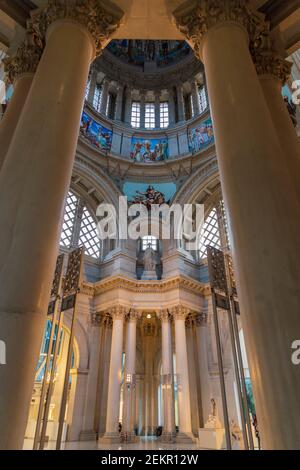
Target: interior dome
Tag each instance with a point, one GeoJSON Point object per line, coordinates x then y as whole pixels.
{"type": "Point", "coordinates": [146, 54]}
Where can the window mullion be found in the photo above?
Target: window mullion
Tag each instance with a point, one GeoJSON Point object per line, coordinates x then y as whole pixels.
{"type": "Point", "coordinates": [77, 224]}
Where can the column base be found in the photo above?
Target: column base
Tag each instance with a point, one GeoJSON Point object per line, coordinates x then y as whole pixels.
{"type": "Point", "coordinates": [168, 437]}
{"type": "Point", "coordinates": [110, 438]}
{"type": "Point", "coordinates": [88, 435]}
{"type": "Point", "coordinates": [185, 438]}
{"type": "Point", "coordinates": [129, 437]}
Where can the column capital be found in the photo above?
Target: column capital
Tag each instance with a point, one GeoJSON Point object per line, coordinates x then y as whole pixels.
{"type": "Point", "coordinates": [100, 19]}
{"type": "Point", "coordinates": [197, 17]}
{"type": "Point", "coordinates": [118, 312]}
{"type": "Point", "coordinates": [26, 59]}
{"type": "Point", "coordinates": [164, 315]}
{"type": "Point", "coordinates": [200, 319]}
{"type": "Point", "coordinates": [97, 318]}
{"type": "Point", "coordinates": [133, 315]}
{"type": "Point", "coordinates": [267, 60]}
{"type": "Point", "coordinates": [179, 312]}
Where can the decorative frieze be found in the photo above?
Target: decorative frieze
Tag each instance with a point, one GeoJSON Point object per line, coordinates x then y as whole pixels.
{"type": "Point", "coordinates": [26, 59]}
{"type": "Point", "coordinates": [195, 18]}
{"type": "Point", "coordinates": [101, 19]}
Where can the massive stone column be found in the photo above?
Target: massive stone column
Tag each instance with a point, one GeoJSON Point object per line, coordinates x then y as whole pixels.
{"type": "Point", "coordinates": [115, 376]}
{"type": "Point", "coordinates": [169, 433]}
{"type": "Point", "coordinates": [262, 207]}
{"type": "Point", "coordinates": [21, 69]}
{"type": "Point", "coordinates": [202, 356]}
{"type": "Point", "coordinates": [129, 377]}
{"type": "Point", "coordinates": [183, 387]}
{"type": "Point", "coordinates": [172, 111]}
{"type": "Point", "coordinates": [34, 182]}
{"type": "Point", "coordinates": [273, 72]}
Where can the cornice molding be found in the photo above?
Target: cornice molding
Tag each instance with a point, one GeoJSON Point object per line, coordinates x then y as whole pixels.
{"type": "Point", "coordinates": [178, 282]}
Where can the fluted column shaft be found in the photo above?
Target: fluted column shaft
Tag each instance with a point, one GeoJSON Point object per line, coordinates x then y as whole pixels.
{"type": "Point", "coordinates": [115, 377]}
{"type": "Point", "coordinates": [264, 240]}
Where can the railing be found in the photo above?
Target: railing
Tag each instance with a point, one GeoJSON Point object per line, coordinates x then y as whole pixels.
{"type": "Point", "coordinates": [146, 146]}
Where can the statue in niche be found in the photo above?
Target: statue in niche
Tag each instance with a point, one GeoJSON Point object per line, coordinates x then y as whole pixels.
{"type": "Point", "coordinates": [150, 263]}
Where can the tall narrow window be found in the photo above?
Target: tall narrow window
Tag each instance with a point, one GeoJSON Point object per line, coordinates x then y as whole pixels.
{"type": "Point", "coordinates": [97, 98]}
{"type": "Point", "coordinates": [164, 115]}
{"type": "Point", "coordinates": [136, 114]}
{"type": "Point", "coordinates": [202, 99]}
{"type": "Point", "coordinates": [150, 116]}
{"type": "Point", "coordinates": [87, 89]}
{"type": "Point", "coordinates": [89, 235]}
{"type": "Point", "coordinates": [210, 234]}
{"type": "Point", "coordinates": [69, 220]}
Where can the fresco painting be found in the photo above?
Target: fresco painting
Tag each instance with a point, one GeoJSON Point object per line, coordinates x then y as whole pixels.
{"type": "Point", "coordinates": [97, 134]}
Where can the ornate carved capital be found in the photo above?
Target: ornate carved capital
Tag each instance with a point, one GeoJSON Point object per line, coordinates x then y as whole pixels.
{"type": "Point", "coordinates": [118, 312]}
{"type": "Point", "coordinates": [266, 60]}
{"type": "Point", "coordinates": [133, 315]}
{"type": "Point", "coordinates": [101, 19]}
{"type": "Point", "coordinates": [164, 315]}
{"type": "Point", "coordinates": [179, 312]}
{"type": "Point", "coordinates": [195, 18]}
{"type": "Point", "coordinates": [200, 319]}
{"type": "Point", "coordinates": [97, 318]}
{"type": "Point", "coordinates": [26, 59]}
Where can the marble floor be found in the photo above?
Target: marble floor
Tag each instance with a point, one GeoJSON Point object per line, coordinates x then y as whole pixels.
{"type": "Point", "coordinates": [144, 444]}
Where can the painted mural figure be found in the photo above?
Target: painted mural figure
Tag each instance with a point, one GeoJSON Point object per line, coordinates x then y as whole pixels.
{"type": "Point", "coordinates": [149, 197]}
{"type": "Point", "coordinates": [201, 137]}
{"type": "Point", "coordinates": [148, 151]}
{"type": "Point", "coordinates": [97, 135]}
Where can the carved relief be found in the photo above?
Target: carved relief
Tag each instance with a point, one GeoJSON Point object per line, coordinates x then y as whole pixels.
{"type": "Point", "coordinates": [100, 19]}
{"type": "Point", "coordinates": [196, 18]}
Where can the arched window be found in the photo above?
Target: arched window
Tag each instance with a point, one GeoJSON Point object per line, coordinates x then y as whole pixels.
{"type": "Point", "coordinates": [151, 241]}
{"type": "Point", "coordinates": [89, 235]}
{"type": "Point", "coordinates": [210, 234]}
{"type": "Point", "coordinates": [79, 227]}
